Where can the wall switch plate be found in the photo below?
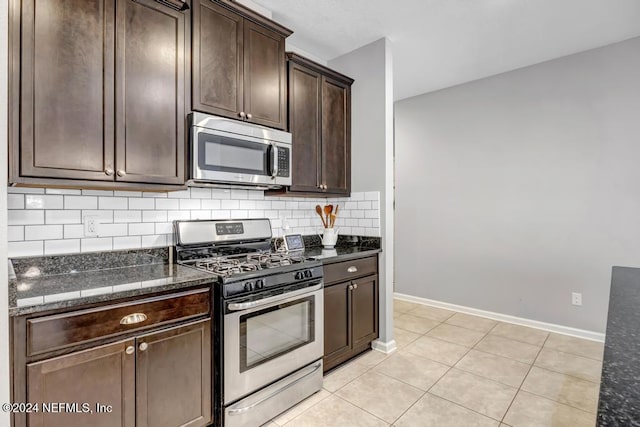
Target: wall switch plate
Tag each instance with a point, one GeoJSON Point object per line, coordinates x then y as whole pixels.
{"type": "Point", "coordinates": [576, 298]}
{"type": "Point", "coordinates": [91, 226]}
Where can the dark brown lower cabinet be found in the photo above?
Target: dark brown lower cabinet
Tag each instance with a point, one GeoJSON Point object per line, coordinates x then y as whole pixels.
{"type": "Point", "coordinates": [102, 375]}
{"type": "Point", "coordinates": [162, 378]}
{"type": "Point", "coordinates": [173, 377]}
{"type": "Point", "coordinates": [350, 314]}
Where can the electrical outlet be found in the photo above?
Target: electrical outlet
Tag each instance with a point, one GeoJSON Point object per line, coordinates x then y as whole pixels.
{"type": "Point", "coordinates": [91, 226]}
{"type": "Point", "coordinates": [576, 298]}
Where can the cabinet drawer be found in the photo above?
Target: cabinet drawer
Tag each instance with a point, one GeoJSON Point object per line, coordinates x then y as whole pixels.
{"type": "Point", "coordinates": [57, 331]}
{"type": "Point", "coordinates": [347, 270]}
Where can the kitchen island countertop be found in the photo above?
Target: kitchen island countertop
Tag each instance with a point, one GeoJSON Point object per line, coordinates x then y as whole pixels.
{"type": "Point", "coordinates": [619, 403]}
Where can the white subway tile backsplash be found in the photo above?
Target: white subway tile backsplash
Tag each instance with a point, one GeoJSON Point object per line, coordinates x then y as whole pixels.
{"type": "Point", "coordinates": [140, 203]}
{"type": "Point", "coordinates": [80, 202]}
{"type": "Point", "coordinates": [130, 242]}
{"type": "Point", "coordinates": [154, 216]}
{"type": "Point", "coordinates": [15, 201]}
{"type": "Point", "coordinates": [167, 204]}
{"type": "Point", "coordinates": [66, 246]}
{"type": "Point", "coordinates": [110, 230]}
{"type": "Point", "coordinates": [97, 193]}
{"type": "Point", "coordinates": [15, 233]}
{"type": "Point", "coordinates": [239, 194]}
{"type": "Point", "coordinates": [25, 217]}
{"type": "Point", "coordinates": [189, 204]}
{"type": "Point", "coordinates": [144, 228]}
{"type": "Point", "coordinates": [63, 191]}
{"type": "Point", "coordinates": [62, 217]}
{"type": "Point", "coordinates": [163, 227]}
{"type": "Point", "coordinates": [25, 190]}
{"type": "Point", "coordinates": [113, 203]}
{"type": "Point", "coordinates": [43, 232]}
{"type": "Point", "coordinates": [230, 204]}
{"type": "Point", "coordinates": [200, 193]}
{"type": "Point", "coordinates": [27, 248]}
{"type": "Point", "coordinates": [51, 222]}
{"type": "Point", "coordinates": [184, 194]}
{"type": "Point", "coordinates": [96, 244]}
{"type": "Point", "coordinates": [127, 216]}
{"type": "Point", "coordinates": [74, 231]}
{"type": "Point", "coordinates": [210, 204]}
{"type": "Point", "coordinates": [41, 201]}
{"type": "Point", "coordinates": [178, 215]}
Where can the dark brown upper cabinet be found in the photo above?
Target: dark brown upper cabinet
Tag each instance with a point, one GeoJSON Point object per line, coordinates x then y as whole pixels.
{"type": "Point", "coordinates": [239, 67]}
{"type": "Point", "coordinates": [320, 122]}
{"type": "Point", "coordinates": [97, 93]}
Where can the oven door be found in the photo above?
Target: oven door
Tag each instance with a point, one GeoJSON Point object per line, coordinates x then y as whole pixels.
{"type": "Point", "coordinates": [271, 339]}
{"type": "Point", "coordinates": [226, 157]}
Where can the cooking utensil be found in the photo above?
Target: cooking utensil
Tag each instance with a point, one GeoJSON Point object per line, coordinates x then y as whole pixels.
{"type": "Point", "coordinates": [333, 220]}
{"type": "Point", "coordinates": [335, 216]}
{"type": "Point", "coordinates": [319, 212]}
{"type": "Point", "coordinates": [327, 211]}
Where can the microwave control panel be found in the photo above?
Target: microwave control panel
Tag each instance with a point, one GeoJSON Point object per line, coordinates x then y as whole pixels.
{"type": "Point", "coordinates": [284, 154]}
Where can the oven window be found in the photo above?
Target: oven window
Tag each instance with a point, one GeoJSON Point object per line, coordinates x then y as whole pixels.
{"type": "Point", "coordinates": [269, 333]}
{"type": "Point", "coordinates": [222, 153]}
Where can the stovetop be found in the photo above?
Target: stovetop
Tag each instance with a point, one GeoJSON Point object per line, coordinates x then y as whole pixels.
{"type": "Point", "coordinates": [239, 254]}
{"type": "Point", "coordinates": [229, 265]}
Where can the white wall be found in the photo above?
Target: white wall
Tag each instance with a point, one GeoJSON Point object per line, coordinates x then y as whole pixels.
{"type": "Point", "coordinates": [4, 301]}
{"type": "Point", "coordinates": [372, 152]}
{"type": "Point", "coordinates": [516, 190]}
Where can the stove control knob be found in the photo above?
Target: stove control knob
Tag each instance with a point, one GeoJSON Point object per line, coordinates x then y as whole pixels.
{"type": "Point", "coordinates": [248, 286]}
{"type": "Point", "coordinates": [259, 284]}
{"type": "Point", "coordinates": [299, 275]}
{"type": "Point", "coordinates": [308, 274]}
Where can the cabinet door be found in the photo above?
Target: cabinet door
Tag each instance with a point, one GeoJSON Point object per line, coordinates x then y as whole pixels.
{"type": "Point", "coordinates": [305, 90]}
{"type": "Point", "coordinates": [264, 76]}
{"type": "Point", "coordinates": [337, 322]}
{"type": "Point", "coordinates": [174, 377]}
{"type": "Point", "coordinates": [336, 136]}
{"type": "Point", "coordinates": [217, 60]}
{"type": "Point", "coordinates": [364, 310]}
{"type": "Point", "coordinates": [103, 375]}
{"type": "Point", "coordinates": [66, 124]}
{"type": "Point", "coordinates": [150, 95]}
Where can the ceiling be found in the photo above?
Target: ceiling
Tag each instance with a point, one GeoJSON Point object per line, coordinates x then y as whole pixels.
{"type": "Point", "coordinates": [442, 43]}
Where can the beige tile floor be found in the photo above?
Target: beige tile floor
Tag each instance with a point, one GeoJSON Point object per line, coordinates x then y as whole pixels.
{"type": "Point", "coordinates": [456, 370]}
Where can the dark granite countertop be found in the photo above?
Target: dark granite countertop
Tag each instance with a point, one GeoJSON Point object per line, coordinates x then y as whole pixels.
{"type": "Point", "coordinates": [46, 283]}
{"type": "Point", "coordinates": [347, 247]}
{"type": "Point", "coordinates": [619, 403]}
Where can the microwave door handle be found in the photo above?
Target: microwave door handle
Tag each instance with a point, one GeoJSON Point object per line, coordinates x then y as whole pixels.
{"type": "Point", "coordinates": [274, 161]}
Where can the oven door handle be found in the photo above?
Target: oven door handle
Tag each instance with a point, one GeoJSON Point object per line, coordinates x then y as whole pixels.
{"type": "Point", "coordinates": [237, 306]}
{"type": "Point", "coordinates": [311, 370]}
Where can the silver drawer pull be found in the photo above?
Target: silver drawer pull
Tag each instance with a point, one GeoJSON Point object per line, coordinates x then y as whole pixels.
{"type": "Point", "coordinates": [133, 318]}
{"type": "Point", "coordinates": [352, 269]}
{"type": "Point", "coordinates": [130, 350]}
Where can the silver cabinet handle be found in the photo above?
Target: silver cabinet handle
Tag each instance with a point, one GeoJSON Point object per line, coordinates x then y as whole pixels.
{"type": "Point", "coordinates": [133, 318]}
{"type": "Point", "coordinates": [242, 114]}
{"type": "Point", "coordinates": [121, 172]}
{"type": "Point", "coordinates": [130, 350]}
{"type": "Point", "coordinates": [143, 346]}
{"type": "Point", "coordinates": [352, 269]}
{"type": "Point", "coordinates": [249, 116]}
{"type": "Point", "coordinates": [350, 287]}
{"type": "Point", "coordinates": [109, 171]}
{"type": "Point", "coordinates": [355, 286]}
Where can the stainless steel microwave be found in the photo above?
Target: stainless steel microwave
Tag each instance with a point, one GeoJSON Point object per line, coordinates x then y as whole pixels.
{"type": "Point", "coordinates": [229, 153]}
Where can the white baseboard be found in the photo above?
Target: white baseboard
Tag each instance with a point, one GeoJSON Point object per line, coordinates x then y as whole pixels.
{"type": "Point", "coordinates": [550, 327]}
{"type": "Point", "coordinates": [384, 347]}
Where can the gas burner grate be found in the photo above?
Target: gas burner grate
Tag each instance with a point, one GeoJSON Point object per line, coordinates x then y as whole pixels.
{"type": "Point", "coordinates": [230, 265]}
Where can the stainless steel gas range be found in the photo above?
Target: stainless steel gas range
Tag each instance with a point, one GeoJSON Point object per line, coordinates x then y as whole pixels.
{"type": "Point", "coordinates": [268, 340]}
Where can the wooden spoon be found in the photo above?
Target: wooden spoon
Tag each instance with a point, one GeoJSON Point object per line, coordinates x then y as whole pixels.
{"type": "Point", "coordinates": [327, 211]}
{"type": "Point", "coordinates": [333, 216]}
{"type": "Point", "coordinates": [319, 212]}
